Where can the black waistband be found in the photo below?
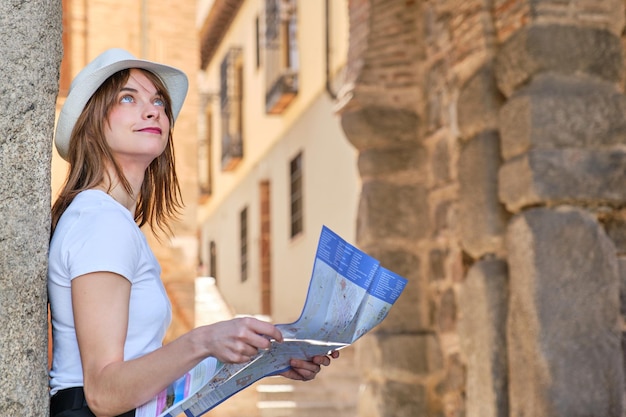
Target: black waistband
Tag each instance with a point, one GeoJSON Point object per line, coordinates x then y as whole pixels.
{"type": "Point", "coordinates": [74, 399]}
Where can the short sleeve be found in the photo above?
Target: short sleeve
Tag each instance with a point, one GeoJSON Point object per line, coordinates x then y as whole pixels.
{"type": "Point", "coordinates": [102, 240]}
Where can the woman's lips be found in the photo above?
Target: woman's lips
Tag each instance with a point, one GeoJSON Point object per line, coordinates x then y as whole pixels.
{"type": "Point", "coordinates": [154, 130]}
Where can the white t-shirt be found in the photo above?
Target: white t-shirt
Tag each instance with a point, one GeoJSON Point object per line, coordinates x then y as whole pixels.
{"type": "Point", "coordinates": [96, 233]}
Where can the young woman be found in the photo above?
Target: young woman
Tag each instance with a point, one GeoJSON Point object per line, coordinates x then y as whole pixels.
{"type": "Point", "coordinates": [108, 306]}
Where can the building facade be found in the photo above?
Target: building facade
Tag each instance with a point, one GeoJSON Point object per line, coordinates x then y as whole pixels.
{"type": "Point", "coordinates": [274, 163]}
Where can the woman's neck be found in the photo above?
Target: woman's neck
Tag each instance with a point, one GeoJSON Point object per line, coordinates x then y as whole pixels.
{"type": "Point", "coordinates": [114, 187]}
{"type": "Point", "coordinates": [119, 194]}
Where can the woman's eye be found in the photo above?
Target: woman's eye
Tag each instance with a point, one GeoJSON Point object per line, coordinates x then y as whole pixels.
{"type": "Point", "coordinates": [126, 99]}
{"type": "Point", "coordinates": [159, 102]}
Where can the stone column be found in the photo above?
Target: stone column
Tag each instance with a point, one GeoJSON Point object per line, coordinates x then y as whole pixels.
{"type": "Point", "coordinates": [30, 46]}
{"type": "Point", "coordinates": [563, 343]}
{"type": "Point", "coordinates": [380, 116]}
{"type": "Point", "coordinates": [482, 221]}
{"type": "Point", "coordinates": [482, 330]}
{"type": "Point", "coordinates": [560, 67]}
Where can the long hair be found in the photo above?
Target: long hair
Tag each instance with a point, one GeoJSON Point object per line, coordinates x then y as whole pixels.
{"type": "Point", "coordinates": [89, 155]}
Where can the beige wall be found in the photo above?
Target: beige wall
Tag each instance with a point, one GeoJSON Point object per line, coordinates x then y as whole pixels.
{"type": "Point", "coordinates": [308, 125]}
{"type": "Point", "coordinates": [330, 193]}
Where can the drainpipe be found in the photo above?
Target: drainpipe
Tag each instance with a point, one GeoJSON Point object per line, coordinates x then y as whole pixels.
{"type": "Point", "coordinates": [329, 89]}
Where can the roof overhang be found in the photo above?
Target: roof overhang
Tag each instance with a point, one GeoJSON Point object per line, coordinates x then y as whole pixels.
{"type": "Point", "coordinates": [215, 26]}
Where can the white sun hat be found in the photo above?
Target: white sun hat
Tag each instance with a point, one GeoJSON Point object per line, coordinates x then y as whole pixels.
{"type": "Point", "coordinates": [90, 78]}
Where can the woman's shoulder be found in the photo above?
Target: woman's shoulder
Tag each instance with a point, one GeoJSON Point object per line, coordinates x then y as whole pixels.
{"type": "Point", "coordinates": [96, 212]}
{"type": "Point", "coordinates": [94, 217]}
{"type": "Point", "coordinates": [98, 203]}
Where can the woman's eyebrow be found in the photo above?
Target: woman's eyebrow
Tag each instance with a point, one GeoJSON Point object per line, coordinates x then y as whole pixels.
{"type": "Point", "coordinates": [134, 90]}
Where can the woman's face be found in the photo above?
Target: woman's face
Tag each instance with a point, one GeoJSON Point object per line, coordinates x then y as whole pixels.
{"type": "Point", "coordinates": [138, 127]}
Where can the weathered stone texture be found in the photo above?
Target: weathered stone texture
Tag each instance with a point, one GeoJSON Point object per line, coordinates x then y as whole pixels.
{"type": "Point", "coordinates": [558, 176]}
{"type": "Point", "coordinates": [450, 389]}
{"type": "Point", "coordinates": [438, 95]}
{"type": "Point", "coordinates": [384, 162]}
{"type": "Point", "coordinates": [622, 293]}
{"type": "Point", "coordinates": [395, 399]}
{"type": "Point", "coordinates": [30, 46]}
{"type": "Point", "coordinates": [479, 103]}
{"type": "Point", "coordinates": [564, 348]}
{"type": "Point", "coordinates": [604, 14]}
{"type": "Point", "coordinates": [380, 107]}
{"type": "Point", "coordinates": [436, 260]}
{"type": "Point", "coordinates": [566, 50]}
{"type": "Point", "coordinates": [446, 312]}
{"type": "Point", "coordinates": [410, 312]}
{"type": "Point", "coordinates": [614, 222]}
{"type": "Point", "coordinates": [482, 329]}
{"type": "Point", "coordinates": [389, 210]}
{"type": "Point", "coordinates": [389, 384]}
{"type": "Point", "coordinates": [375, 126]}
{"type": "Point", "coordinates": [399, 355]}
{"type": "Point", "coordinates": [441, 167]}
{"type": "Point", "coordinates": [518, 106]}
{"type": "Point", "coordinates": [482, 219]}
{"type": "Point", "coordinates": [471, 33]}
{"type": "Point", "coordinates": [509, 17]}
{"type": "Point", "coordinates": [557, 111]}
{"type": "Point", "coordinates": [383, 55]}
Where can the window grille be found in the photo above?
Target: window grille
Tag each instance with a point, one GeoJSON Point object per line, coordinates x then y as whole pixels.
{"type": "Point", "coordinates": [205, 151]}
{"type": "Point", "coordinates": [231, 103]}
{"type": "Point", "coordinates": [281, 52]}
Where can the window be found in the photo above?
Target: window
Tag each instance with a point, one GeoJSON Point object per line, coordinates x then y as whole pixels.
{"type": "Point", "coordinates": [281, 54]}
{"type": "Point", "coordinates": [243, 243]}
{"type": "Point", "coordinates": [205, 150]}
{"type": "Point", "coordinates": [231, 103]}
{"type": "Point", "coordinates": [296, 195]}
{"type": "Point", "coordinates": [212, 260]}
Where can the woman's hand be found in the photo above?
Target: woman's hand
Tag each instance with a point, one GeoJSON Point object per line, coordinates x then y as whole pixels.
{"type": "Point", "coordinates": [238, 340]}
{"type": "Point", "coordinates": [302, 370]}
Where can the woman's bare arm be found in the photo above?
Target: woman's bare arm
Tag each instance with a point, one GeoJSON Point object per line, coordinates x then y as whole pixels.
{"type": "Point", "coordinates": [113, 386]}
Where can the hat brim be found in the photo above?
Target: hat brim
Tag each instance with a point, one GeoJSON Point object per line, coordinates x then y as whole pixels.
{"type": "Point", "coordinates": [174, 79]}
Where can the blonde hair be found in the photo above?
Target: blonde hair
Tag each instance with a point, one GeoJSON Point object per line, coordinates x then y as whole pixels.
{"type": "Point", "coordinates": [89, 156]}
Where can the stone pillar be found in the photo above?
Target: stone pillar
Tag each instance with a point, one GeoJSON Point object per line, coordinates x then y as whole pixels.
{"type": "Point", "coordinates": [563, 337]}
{"type": "Point", "coordinates": [482, 221]}
{"type": "Point", "coordinates": [466, 114]}
{"type": "Point", "coordinates": [482, 330]}
{"type": "Point", "coordinates": [30, 46]}
{"type": "Point", "coordinates": [560, 67]}
{"type": "Point", "coordinates": [379, 115]}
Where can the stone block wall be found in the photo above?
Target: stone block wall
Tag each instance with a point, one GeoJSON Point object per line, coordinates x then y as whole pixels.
{"type": "Point", "coordinates": [30, 46]}
{"type": "Point", "coordinates": [491, 140]}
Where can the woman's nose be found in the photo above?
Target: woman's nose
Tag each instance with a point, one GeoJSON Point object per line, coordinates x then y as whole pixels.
{"type": "Point", "coordinates": [152, 112]}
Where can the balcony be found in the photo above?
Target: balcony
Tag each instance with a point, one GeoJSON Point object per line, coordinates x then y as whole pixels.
{"type": "Point", "coordinates": [282, 92]}
{"type": "Point", "coordinates": [232, 151]}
